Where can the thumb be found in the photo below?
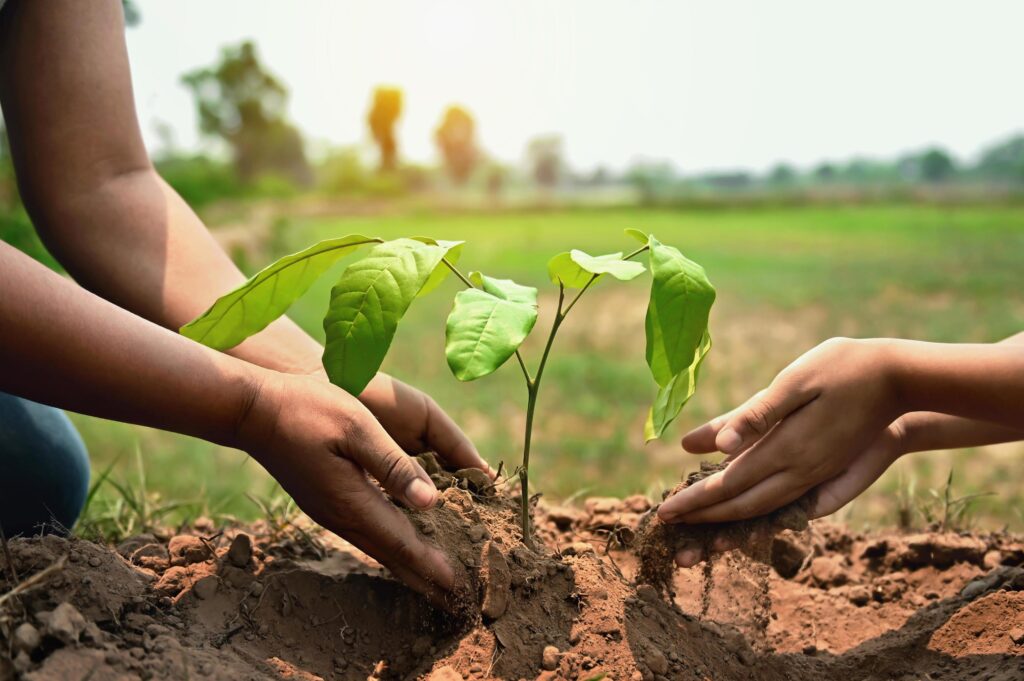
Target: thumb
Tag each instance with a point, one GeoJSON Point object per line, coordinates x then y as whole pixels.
{"type": "Point", "coordinates": [371, 447]}
{"type": "Point", "coordinates": [752, 421]}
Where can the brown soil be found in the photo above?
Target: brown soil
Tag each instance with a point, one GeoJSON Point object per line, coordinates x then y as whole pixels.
{"type": "Point", "coordinates": [250, 604]}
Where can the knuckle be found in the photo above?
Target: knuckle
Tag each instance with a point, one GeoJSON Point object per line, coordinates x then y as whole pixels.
{"type": "Point", "coordinates": [395, 467]}
{"type": "Point", "coordinates": [759, 416]}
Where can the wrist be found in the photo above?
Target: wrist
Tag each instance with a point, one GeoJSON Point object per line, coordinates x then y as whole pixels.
{"type": "Point", "coordinates": [254, 411]}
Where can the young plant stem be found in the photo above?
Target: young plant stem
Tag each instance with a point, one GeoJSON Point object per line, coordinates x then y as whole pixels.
{"type": "Point", "coordinates": [533, 385]}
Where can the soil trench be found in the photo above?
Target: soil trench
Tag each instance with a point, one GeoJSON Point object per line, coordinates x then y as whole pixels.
{"type": "Point", "coordinates": [257, 603]}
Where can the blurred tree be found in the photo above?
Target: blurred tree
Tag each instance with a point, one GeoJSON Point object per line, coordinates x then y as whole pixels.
{"type": "Point", "coordinates": [936, 165]}
{"type": "Point", "coordinates": [544, 155]}
{"type": "Point", "coordinates": [342, 172]}
{"type": "Point", "coordinates": [384, 113]}
{"type": "Point", "coordinates": [132, 15]}
{"type": "Point", "coordinates": [241, 103]}
{"type": "Point", "coordinates": [1004, 162]}
{"type": "Point", "coordinates": [825, 172]}
{"type": "Point", "coordinates": [456, 138]}
{"type": "Point", "coordinates": [782, 175]}
{"type": "Point", "coordinates": [653, 179]}
{"type": "Point", "coordinates": [496, 176]}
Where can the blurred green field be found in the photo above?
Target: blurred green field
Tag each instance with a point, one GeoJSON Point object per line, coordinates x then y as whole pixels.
{"type": "Point", "coordinates": [787, 278]}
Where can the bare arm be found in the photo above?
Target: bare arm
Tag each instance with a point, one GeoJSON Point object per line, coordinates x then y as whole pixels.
{"type": "Point", "coordinates": [61, 345]}
{"type": "Point", "coordinates": [118, 228]}
{"type": "Point", "coordinates": [90, 188]}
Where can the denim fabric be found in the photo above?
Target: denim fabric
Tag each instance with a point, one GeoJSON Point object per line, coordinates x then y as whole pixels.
{"type": "Point", "coordinates": [44, 468]}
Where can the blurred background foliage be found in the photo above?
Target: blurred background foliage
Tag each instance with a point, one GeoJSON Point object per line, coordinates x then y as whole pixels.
{"type": "Point", "coordinates": [925, 245]}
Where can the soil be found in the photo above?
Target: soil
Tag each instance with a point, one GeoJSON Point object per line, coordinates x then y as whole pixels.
{"type": "Point", "coordinates": [255, 602]}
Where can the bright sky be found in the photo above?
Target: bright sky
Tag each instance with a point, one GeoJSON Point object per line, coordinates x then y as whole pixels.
{"type": "Point", "coordinates": [705, 84]}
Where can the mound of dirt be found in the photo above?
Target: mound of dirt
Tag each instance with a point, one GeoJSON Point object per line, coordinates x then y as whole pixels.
{"type": "Point", "coordinates": [253, 603]}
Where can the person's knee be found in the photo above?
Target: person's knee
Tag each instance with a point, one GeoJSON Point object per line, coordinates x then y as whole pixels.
{"type": "Point", "coordinates": [45, 468]}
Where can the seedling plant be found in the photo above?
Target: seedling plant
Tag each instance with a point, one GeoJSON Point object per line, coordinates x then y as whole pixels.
{"type": "Point", "coordinates": [489, 320]}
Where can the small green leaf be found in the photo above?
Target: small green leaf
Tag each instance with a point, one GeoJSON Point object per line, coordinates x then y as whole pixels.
{"type": "Point", "coordinates": [487, 325]}
{"type": "Point", "coordinates": [677, 313]}
{"type": "Point", "coordinates": [575, 268]}
{"type": "Point", "coordinates": [454, 252]}
{"type": "Point", "coordinates": [673, 397]}
{"type": "Point", "coordinates": [637, 234]}
{"type": "Point", "coordinates": [367, 304]}
{"type": "Point", "coordinates": [268, 294]}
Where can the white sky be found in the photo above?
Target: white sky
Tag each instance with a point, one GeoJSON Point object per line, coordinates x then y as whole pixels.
{"type": "Point", "coordinates": [709, 84]}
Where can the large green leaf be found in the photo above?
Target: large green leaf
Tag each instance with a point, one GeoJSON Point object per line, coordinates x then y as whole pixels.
{"type": "Point", "coordinates": [367, 304]}
{"type": "Point", "coordinates": [268, 294]}
{"type": "Point", "coordinates": [673, 397]}
{"type": "Point", "coordinates": [677, 313]}
{"type": "Point", "coordinates": [487, 325]}
{"type": "Point", "coordinates": [575, 268]}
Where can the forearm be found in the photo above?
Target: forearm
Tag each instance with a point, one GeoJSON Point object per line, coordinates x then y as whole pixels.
{"type": "Point", "coordinates": [133, 241]}
{"type": "Point", "coordinates": [64, 346]}
{"type": "Point", "coordinates": [973, 381]}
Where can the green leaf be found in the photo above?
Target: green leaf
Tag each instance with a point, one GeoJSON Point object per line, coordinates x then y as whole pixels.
{"type": "Point", "coordinates": [575, 268]}
{"type": "Point", "coordinates": [268, 294]}
{"type": "Point", "coordinates": [673, 397]}
{"type": "Point", "coordinates": [487, 325]}
{"type": "Point", "coordinates": [367, 304]}
{"type": "Point", "coordinates": [638, 235]}
{"type": "Point", "coordinates": [454, 252]}
{"type": "Point", "coordinates": [677, 313]}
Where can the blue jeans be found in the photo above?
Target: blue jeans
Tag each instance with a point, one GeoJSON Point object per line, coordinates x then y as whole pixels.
{"type": "Point", "coordinates": [44, 468]}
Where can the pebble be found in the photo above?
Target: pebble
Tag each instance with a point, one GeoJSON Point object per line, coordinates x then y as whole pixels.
{"type": "Point", "coordinates": [974, 589]}
{"type": "Point", "coordinates": [26, 638]}
{"type": "Point", "coordinates": [256, 588]}
{"type": "Point", "coordinates": [444, 673]}
{"type": "Point", "coordinates": [476, 533]}
{"type": "Point", "coordinates": [240, 552]}
{"type": "Point", "coordinates": [550, 657]}
{"type": "Point", "coordinates": [65, 623]}
{"type": "Point", "coordinates": [657, 661]}
{"type": "Point", "coordinates": [1017, 635]}
{"type": "Point", "coordinates": [94, 561]}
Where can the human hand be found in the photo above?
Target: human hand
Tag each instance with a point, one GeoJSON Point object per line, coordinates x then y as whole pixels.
{"type": "Point", "coordinates": [418, 424]}
{"type": "Point", "coordinates": [826, 423]}
{"type": "Point", "coordinates": [320, 443]}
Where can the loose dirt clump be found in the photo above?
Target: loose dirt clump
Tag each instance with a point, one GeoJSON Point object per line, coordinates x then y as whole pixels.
{"type": "Point", "coordinates": [255, 603]}
{"type": "Point", "coordinates": [658, 542]}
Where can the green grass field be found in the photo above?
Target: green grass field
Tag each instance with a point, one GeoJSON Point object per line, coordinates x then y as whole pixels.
{"type": "Point", "coordinates": [787, 279]}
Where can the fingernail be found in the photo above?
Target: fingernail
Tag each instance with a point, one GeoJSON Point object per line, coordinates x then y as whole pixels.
{"type": "Point", "coordinates": [728, 441]}
{"type": "Point", "coordinates": [420, 493]}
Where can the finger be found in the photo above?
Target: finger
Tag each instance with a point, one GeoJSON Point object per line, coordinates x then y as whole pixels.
{"type": "Point", "coordinates": [385, 533]}
{"type": "Point", "coordinates": [759, 415]}
{"type": "Point", "coordinates": [747, 470]}
{"type": "Point", "coordinates": [449, 442]}
{"type": "Point", "coordinates": [373, 449]}
{"type": "Point", "coordinates": [701, 440]}
{"type": "Point", "coordinates": [691, 555]}
{"type": "Point", "coordinates": [766, 496]}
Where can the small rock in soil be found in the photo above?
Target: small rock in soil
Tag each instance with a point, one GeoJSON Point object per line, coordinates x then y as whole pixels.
{"type": "Point", "coordinates": [240, 552]}
{"type": "Point", "coordinates": [1017, 635]}
{"type": "Point", "coordinates": [829, 571]}
{"type": "Point", "coordinates": [577, 548]}
{"type": "Point", "coordinates": [185, 549]}
{"type": "Point", "coordinates": [65, 623]}
{"type": "Point", "coordinates": [550, 657]}
{"type": "Point", "coordinates": [787, 556]}
{"type": "Point", "coordinates": [648, 593]}
{"type": "Point", "coordinates": [477, 481]}
{"type": "Point", "coordinates": [657, 661]}
{"type": "Point", "coordinates": [497, 581]}
{"type": "Point", "coordinates": [27, 638]}
{"type": "Point", "coordinates": [564, 517]}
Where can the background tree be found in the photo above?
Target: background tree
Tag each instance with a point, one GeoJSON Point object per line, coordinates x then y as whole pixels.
{"type": "Point", "coordinates": [936, 165]}
{"type": "Point", "coordinates": [544, 154]}
{"type": "Point", "coordinates": [1004, 162]}
{"type": "Point", "coordinates": [456, 139]}
{"type": "Point", "coordinates": [384, 114]}
{"type": "Point", "coordinates": [240, 102]}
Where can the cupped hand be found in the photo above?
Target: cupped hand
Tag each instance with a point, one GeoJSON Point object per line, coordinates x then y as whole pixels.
{"type": "Point", "coordinates": [418, 424]}
{"type": "Point", "coordinates": [320, 443]}
{"type": "Point", "coordinates": [827, 424]}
